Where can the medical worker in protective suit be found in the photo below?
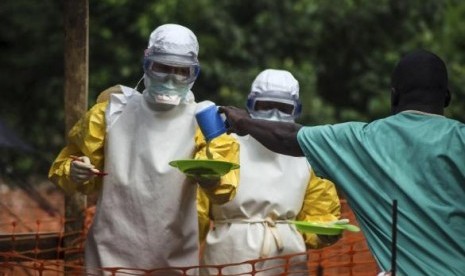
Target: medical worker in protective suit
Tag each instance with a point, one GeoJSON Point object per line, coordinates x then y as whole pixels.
{"type": "Point", "coordinates": [146, 211]}
{"type": "Point", "coordinates": [255, 223]}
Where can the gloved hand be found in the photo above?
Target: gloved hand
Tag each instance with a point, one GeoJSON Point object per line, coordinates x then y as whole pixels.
{"type": "Point", "coordinates": [82, 170]}
{"type": "Point", "coordinates": [328, 239]}
{"type": "Point", "coordinates": [205, 179]}
{"type": "Point", "coordinates": [331, 239]}
{"type": "Point", "coordinates": [208, 182]}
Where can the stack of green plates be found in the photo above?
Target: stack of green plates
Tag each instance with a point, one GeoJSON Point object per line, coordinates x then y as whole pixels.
{"type": "Point", "coordinates": [204, 166]}
{"type": "Point", "coordinates": [322, 228]}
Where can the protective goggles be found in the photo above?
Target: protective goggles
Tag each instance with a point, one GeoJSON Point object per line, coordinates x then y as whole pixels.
{"type": "Point", "coordinates": [162, 67]}
{"type": "Point", "coordinates": [281, 101]}
{"type": "Point", "coordinates": [162, 72]}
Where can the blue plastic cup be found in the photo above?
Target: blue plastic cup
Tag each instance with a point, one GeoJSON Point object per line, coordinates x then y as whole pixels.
{"type": "Point", "coordinates": [210, 121]}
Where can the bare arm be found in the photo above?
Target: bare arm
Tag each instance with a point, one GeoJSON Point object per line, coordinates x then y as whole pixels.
{"type": "Point", "coordinates": [280, 137]}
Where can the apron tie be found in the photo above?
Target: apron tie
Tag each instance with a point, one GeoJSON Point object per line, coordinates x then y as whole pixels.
{"type": "Point", "coordinates": [271, 231]}
{"type": "Point", "coordinates": [271, 234]}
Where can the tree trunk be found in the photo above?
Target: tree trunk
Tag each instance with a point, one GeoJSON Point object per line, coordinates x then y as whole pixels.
{"type": "Point", "coordinates": [76, 23]}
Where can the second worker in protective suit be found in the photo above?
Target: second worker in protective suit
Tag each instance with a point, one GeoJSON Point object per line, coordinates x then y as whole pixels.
{"type": "Point", "coordinates": [274, 188]}
{"type": "Point", "coordinates": [146, 211]}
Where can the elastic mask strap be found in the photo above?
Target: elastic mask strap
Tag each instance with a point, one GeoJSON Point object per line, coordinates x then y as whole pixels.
{"type": "Point", "coordinates": [138, 83]}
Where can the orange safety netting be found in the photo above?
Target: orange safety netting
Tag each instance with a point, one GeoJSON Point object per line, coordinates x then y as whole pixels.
{"type": "Point", "coordinates": [32, 243]}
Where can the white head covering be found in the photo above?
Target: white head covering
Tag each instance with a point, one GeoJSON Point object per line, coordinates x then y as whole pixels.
{"type": "Point", "coordinates": [174, 44]}
{"type": "Point", "coordinates": [272, 80]}
{"type": "Point", "coordinates": [274, 86]}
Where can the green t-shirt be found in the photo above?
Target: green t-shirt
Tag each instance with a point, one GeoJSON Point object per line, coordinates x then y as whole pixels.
{"type": "Point", "coordinates": [415, 158]}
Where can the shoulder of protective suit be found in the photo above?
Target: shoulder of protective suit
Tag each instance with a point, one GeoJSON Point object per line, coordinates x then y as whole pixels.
{"type": "Point", "coordinates": [117, 89]}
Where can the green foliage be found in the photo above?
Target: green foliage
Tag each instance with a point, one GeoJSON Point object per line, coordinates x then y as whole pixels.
{"type": "Point", "coordinates": [342, 53]}
{"type": "Point", "coordinates": [31, 51]}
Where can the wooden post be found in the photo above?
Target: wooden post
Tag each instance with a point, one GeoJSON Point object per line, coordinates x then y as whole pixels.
{"type": "Point", "coordinates": [76, 24]}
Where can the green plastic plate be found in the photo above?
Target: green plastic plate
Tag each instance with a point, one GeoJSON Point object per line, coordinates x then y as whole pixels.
{"type": "Point", "coordinates": [324, 228]}
{"type": "Point", "coordinates": [204, 166]}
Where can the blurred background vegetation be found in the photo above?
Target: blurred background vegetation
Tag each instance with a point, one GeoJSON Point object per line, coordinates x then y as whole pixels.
{"type": "Point", "coordinates": [342, 52]}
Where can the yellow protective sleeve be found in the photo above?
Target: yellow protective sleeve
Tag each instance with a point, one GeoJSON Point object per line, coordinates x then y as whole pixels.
{"type": "Point", "coordinates": [87, 137]}
{"type": "Point", "coordinates": [321, 203]}
{"type": "Point", "coordinates": [225, 148]}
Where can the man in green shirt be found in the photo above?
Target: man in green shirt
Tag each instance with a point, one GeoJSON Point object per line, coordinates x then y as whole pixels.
{"type": "Point", "coordinates": [415, 156]}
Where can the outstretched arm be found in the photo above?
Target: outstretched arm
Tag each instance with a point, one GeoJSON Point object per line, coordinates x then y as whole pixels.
{"type": "Point", "coordinates": [280, 137]}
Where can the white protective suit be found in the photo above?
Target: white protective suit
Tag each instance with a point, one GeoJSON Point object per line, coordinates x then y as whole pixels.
{"type": "Point", "coordinates": [274, 188]}
{"type": "Point", "coordinates": [142, 192]}
{"type": "Point", "coordinates": [146, 212]}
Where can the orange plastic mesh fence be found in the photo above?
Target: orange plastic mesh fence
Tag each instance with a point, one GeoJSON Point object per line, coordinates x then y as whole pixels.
{"type": "Point", "coordinates": [31, 243]}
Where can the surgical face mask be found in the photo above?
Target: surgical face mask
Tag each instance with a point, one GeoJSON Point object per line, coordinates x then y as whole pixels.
{"type": "Point", "coordinates": [166, 92]}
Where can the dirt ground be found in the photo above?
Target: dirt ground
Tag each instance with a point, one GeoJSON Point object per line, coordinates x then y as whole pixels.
{"type": "Point", "coordinates": [37, 208]}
